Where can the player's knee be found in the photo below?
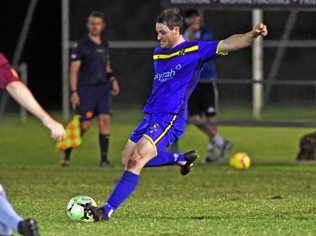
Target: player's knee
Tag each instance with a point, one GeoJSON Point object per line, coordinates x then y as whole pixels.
{"type": "Point", "coordinates": [104, 122]}
{"type": "Point", "coordinates": [134, 160]}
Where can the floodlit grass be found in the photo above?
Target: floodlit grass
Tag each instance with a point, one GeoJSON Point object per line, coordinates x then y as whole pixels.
{"type": "Point", "coordinates": [269, 199]}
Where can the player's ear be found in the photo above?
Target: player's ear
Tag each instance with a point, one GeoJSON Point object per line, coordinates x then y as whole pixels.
{"type": "Point", "coordinates": [177, 30]}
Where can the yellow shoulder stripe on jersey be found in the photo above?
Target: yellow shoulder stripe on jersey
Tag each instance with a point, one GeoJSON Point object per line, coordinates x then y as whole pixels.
{"type": "Point", "coordinates": [177, 53]}
{"type": "Point", "coordinates": [219, 51]}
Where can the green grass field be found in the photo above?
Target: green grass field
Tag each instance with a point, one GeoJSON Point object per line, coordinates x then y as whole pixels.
{"type": "Point", "coordinates": [269, 199]}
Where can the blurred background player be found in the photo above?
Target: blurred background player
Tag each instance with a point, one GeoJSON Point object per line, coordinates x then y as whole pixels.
{"type": "Point", "coordinates": [9, 80]}
{"type": "Point", "coordinates": [203, 104]}
{"type": "Point", "coordinates": [92, 83]}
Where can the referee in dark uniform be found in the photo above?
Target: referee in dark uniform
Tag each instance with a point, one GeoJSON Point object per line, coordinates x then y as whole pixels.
{"type": "Point", "coordinates": [92, 83]}
{"type": "Point", "coordinates": [203, 104]}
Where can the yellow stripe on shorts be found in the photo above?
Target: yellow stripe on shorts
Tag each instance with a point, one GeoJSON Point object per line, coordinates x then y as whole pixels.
{"type": "Point", "coordinates": [166, 130]}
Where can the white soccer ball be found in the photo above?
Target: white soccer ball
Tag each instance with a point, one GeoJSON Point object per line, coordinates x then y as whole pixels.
{"type": "Point", "coordinates": [76, 210]}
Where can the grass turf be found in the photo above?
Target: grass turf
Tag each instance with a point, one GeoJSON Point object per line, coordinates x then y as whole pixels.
{"type": "Point", "coordinates": [212, 200]}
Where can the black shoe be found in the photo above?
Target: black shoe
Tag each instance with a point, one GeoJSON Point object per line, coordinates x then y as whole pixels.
{"type": "Point", "coordinates": [28, 228]}
{"type": "Point", "coordinates": [227, 146]}
{"type": "Point", "coordinates": [190, 157]}
{"type": "Point", "coordinates": [104, 164]}
{"type": "Point", "coordinates": [97, 213]}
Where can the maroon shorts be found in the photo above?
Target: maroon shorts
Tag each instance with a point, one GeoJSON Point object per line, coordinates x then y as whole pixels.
{"type": "Point", "coordinates": [7, 75]}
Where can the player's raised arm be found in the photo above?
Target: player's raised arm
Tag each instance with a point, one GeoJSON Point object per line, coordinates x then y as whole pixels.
{"type": "Point", "coordinates": [25, 98]}
{"type": "Point", "coordinates": [240, 41]}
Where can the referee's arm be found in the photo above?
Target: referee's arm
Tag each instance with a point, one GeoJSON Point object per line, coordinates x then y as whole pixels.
{"type": "Point", "coordinates": [74, 71]}
{"type": "Point", "coordinates": [115, 83]}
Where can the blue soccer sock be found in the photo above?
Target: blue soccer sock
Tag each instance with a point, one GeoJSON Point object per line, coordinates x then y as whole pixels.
{"type": "Point", "coordinates": [166, 158]}
{"type": "Point", "coordinates": [121, 192]}
{"type": "Point", "coordinates": [8, 217]}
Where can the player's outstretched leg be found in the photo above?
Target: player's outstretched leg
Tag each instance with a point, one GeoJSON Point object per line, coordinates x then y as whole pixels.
{"type": "Point", "coordinates": [184, 160]}
{"type": "Point", "coordinates": [137, 158]}
{"type": "Point", "coordinates": [10, 220]}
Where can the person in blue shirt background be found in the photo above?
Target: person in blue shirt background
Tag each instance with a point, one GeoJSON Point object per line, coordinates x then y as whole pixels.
{"type": "Point", "coordinates": [177, 67]}
{"type": "Point", "coordinates": [203, 104]}
{"type": "Point", "coordinates": [92, 83]}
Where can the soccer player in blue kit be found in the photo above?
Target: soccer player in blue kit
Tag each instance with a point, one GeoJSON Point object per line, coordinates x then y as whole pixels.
{"type": "Point", "coordinates": [177, 65]}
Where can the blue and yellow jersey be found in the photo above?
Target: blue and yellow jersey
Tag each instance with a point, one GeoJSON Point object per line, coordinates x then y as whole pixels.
{"type": "Point", "coordinates": [177, 72]}
{"type": "Point", "coordinates": [209, 71]}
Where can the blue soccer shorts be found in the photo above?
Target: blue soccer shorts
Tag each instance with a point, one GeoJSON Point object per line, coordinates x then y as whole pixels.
{"type": "Point", "coordinates": [161, 130]}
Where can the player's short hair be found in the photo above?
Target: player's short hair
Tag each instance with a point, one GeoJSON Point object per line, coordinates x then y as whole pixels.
{"type": "Point", "coordinates": [171, 17]}
{"type": "Point", "coordinates": [191, 13]}
{"type": "Point", "coordinates": [97, 14]}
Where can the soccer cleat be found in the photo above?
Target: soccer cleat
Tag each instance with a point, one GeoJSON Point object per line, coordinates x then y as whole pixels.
{"type": "Point", "coordinates": [28, 228]}
{"type": "Point", "coordinates": [98, 213]}
{"type": "Point", "coordinates": [190, 158]}
{"type": "Point", "coordinates": [227, 146]}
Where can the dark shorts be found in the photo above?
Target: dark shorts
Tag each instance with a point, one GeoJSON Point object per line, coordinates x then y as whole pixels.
{"type": "Point", "coordinates": [7, 75]}
{"type": "Point", "coordinates": [94, 100]}
{"type": "Point", "coordinates": [161, 130]}
{"type": "Point", "coordinates": [204, 100]}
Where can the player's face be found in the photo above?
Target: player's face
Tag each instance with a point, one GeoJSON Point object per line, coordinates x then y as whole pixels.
{"type": "Point", "coordinates": [95, 25]}
{"type": "Point", "coordinates": [194, 23]}
{"type": "Point", "coordinates": [167, 37]}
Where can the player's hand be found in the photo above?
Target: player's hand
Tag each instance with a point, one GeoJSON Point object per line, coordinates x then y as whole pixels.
{"type": "Point", "coordinates": [261, 30]}
{"type": "Point", "coordinates": [75, 100]}
{"type": "Point", "coordinates": [57, 130]}
{"type": "Point", "coordinates": [115, 87]}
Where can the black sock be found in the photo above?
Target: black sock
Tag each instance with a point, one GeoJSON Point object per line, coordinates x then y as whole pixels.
{"type": "Point", "coordinates": [104, 146]}
{"type": "Point", "coordinates": [67, 154]}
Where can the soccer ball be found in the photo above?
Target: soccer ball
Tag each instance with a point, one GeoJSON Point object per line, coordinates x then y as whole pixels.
{"type": "Point", "coordinates": [240, 161]}
{"type": "Point", "coordinates": [76, 208]}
